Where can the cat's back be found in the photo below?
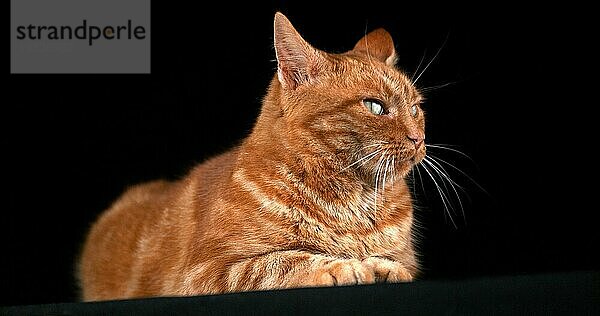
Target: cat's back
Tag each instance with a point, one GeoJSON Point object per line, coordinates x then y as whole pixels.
{"type": "Point", "coordinates": [112, 243]}
{"type": "Point", "coordinates": [128, 237]}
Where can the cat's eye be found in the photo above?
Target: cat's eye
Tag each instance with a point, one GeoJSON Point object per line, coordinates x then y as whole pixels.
{"type": "Point", "coordinates": [414, 110]}
{"type": "Point", "coordinates": [374, 106]}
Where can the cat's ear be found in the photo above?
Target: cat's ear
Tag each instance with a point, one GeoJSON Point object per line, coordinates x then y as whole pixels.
{"type": "Point", "coordinates": [377, 44]}
{"type": "Point", "coordinates": [297, 61]}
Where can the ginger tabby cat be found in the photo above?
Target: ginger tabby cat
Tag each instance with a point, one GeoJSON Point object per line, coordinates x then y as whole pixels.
{"type": "Point", "coordinates": [314, 196]}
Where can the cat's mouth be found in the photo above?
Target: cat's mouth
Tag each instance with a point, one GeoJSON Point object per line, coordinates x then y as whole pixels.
{"type": "Point", "coordinates": [389, 160]}
{"type": "Point", "coordinates": [419, 155]}
{"type": "Point", "coordinates": [406, 164]}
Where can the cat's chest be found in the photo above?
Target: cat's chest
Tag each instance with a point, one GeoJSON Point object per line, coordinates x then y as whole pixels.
{"type": "Point", "coordinates": [358, 240]}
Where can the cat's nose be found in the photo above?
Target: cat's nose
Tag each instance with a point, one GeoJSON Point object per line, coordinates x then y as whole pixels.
{"type": "Point", "coordinates": [417, 139]}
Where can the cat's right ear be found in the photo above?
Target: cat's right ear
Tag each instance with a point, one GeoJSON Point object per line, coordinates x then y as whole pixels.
{"type": "Point", "coordinates": [297, 61]}
{"type": "Point", "coordinates": [377, 44]}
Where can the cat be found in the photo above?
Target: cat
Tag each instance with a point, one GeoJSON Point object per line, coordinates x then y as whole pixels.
{"type": "Point", "coordinates": [314, 196]}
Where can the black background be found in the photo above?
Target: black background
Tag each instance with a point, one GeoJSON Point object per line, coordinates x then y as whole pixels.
{"type": "Point", "coordinates": [518, 106]}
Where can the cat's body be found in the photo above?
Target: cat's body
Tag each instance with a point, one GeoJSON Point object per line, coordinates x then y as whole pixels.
{"type": "Point", "coordinates": [313, 196]}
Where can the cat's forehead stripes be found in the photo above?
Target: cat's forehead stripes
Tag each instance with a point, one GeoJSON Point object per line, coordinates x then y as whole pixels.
{"type": "Point", "coordinates": [392, 82]}
{"type": "Point", "coordinates": [395, 84]}
{"type": "Point", "coordinates": [399, 86]}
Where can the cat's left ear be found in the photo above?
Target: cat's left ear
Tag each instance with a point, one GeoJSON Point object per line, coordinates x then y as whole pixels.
{"type": "Point", "coordinates": [297, 61]}
{"type": "Point", "coordinates": [377, 44]}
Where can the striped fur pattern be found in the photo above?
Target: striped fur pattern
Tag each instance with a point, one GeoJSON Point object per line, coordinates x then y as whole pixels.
{"type": "Point", "coordinates": [314, 196]}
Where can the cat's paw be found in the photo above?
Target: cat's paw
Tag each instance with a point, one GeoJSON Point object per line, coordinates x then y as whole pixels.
{"type": "Point", "coordinates": [343, 272]}
{"type": "Point", "coordinates": [386, 270]}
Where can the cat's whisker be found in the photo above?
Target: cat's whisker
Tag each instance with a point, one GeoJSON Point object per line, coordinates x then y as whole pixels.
{"type": "Point", "coordinates": [453, 185]}
{"type": "Point", "coordinates": [414, 180]}
{"type": "Point", "coordinates": [433, 161]}
{"type": "Point", "coordinates": [436, 172]}
{"type": "Point", "coordinates": [443, 197]}
{"type": "Point", "coordinates": [459, 170]}
{"type": "Point", "coordinates": [377, 174]}
{"type": "Point", "coordinates": [440, 146]}
{"type": "Point", "coordinates": [367, 45]}
{"type": "Point", "coordinates": [427, 89]}
{"type": "Point", "coordinates": [394, 171]}
{"type": "Point", "coordinates": [419, 66]}
{"type": "Point", "coordinates": [422, 164]}
{"type": "Point", "coordinates": [445, 145]}
{"type": "Point", "coordinates": [432, 59]}
{"type": "Point", "coordinates": [420, 177]}
{"type": "Point", "coordinates": [444, 175]}
{"type": "Point", "coordinates": [385, 171]}
{"type": "Point", "coordinates": [372, 145]}
{"type": "Point", "coordinates": [380, 143]}
{"type": "Point", "coordinates": [376, 183]}
{"type": "Point", "coordinates": [368, 157]}
{"type": "Point", "coordinates": [442, 181]}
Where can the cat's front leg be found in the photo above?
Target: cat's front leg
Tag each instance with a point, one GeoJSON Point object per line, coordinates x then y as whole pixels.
{"type": "Point", "coordinates": [327, 271]}
{"type": "Point", "coordinates": [330, 271]}
{"type": "Point", "coordinates": [387, 270]}
{"type": "Point", "coordinates": [291, 269]}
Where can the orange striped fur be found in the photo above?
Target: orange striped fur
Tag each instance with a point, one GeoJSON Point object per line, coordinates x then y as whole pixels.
{"type": "Point", "coordinates": [314, 196]}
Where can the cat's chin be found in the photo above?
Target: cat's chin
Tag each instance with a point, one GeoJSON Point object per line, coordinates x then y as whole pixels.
{"type": "Point", "coordinates": [408, 165]}
{"type": "Point", "coordinates": [419, 156]}
{"type": "Point", "coordinates": [405, 168]}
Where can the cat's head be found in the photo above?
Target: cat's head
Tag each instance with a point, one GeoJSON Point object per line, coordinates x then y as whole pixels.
{"type": "Point", "coordinates": [356, 106]}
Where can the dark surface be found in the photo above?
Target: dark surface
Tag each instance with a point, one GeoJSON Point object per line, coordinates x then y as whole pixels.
{"type": "Point", "coordinates": [520, 106]}
{"type": "Point", "coordinates": [557, 294]}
